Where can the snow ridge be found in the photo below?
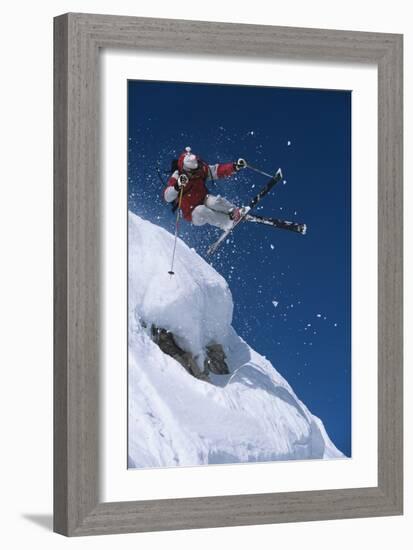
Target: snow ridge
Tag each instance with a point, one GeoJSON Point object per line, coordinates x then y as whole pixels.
{"type": "Point", "coordinates": [251, 414]}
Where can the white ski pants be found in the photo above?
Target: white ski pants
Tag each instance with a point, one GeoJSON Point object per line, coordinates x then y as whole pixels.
{"type": "Point", "coordinates": [214, 211]}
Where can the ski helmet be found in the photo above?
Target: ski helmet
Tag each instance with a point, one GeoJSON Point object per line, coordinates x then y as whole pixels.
{"type": "Point", "coordinates": [188, 161]}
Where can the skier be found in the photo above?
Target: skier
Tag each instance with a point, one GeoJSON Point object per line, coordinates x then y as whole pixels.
{"type": "Point", "coordinates": [188, 182]}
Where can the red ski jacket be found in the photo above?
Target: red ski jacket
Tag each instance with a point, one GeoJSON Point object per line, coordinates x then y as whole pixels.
{"type": "Point", "coordinates": [195, 190]}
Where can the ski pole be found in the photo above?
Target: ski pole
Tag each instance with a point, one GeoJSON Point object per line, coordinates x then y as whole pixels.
{"type": "Point", "coordinates": [259, 171]}
{"type": "Point", "coordinates": [160, 176]}
{"type": "Point", "coordinates": [171, 271]}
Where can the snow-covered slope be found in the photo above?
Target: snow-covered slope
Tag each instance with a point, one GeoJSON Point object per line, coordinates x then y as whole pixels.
{"type": "Point", "coordinates": [251, 414]}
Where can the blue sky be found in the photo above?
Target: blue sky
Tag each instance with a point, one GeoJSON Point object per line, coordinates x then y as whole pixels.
{"type": "Point", "coordinates": [292, 293]}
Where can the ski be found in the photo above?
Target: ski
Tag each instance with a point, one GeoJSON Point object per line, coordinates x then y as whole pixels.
{"type": "Point", "coordinates": [279, 224]}
{"type": "Point", "coordinates": [267, 187]}
{"type": "Point", "coordinates": [213, 248]}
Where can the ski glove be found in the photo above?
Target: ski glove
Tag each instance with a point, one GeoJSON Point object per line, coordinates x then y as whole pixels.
{"type": "Point", "coordinates": [241, 163]}
{"type": "Point", "coordinates": [181, 182]}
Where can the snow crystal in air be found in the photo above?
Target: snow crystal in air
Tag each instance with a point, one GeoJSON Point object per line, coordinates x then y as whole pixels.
{"type": "Point", "coordinates": [318, 315]}
{"type": "Point", "coordinates": [274, 303]}
{"type": "Point", "coordinates": [272, 246]}
{"type": "Point", "coordinates": [288, 143]}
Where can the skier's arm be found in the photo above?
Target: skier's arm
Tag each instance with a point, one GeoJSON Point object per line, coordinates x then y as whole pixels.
{"type": "Point", "coordinates": [217, 171]}
{"type": "Point", "coordinates": [172, 190]}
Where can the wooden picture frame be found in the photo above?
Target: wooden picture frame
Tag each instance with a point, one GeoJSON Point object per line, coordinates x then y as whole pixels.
{"type": "Point", "coordinates": [78, 39]}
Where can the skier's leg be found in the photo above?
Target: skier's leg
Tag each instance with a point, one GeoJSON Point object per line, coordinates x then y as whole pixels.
{"type": "Point", "coordinates": [218, 203]}
{"type": "Point", "coordinates": [202, 215]}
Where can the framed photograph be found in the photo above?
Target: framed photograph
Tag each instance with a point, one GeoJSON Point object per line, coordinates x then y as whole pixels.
{"type": "Point", "coordinates": [228, 274]}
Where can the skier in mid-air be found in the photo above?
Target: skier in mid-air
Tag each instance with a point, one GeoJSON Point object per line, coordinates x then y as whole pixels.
{"type": "Point", "coordinates": [187, 186]}
{"type": "Point", "coordinates": [186, 190]}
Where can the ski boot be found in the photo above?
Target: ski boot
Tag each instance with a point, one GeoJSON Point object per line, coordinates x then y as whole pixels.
{"type": "Point", "coordinates": [236, 213]}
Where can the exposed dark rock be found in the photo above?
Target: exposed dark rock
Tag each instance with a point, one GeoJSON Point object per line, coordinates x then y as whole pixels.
{"type": "Point", "coordinates": [167, 344]}
{"type": "Point", "coordinates": [214, 361]}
